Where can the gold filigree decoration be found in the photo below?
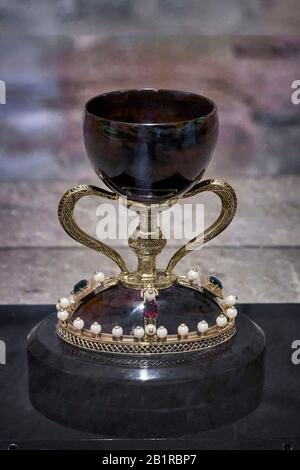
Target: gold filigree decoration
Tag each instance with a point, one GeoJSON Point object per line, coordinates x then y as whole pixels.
{"type": "Point", "coordinates": [68, 223]}
{"type": "Point", "coordinates": [120, 347]}
{"type": "Point", "coordinates": [128, 344]}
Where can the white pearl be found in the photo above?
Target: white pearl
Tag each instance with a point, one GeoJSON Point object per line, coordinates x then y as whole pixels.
{"type": "Point", "coordinates": [117, 331]}
{"type": "Point", "coordinates": [58, 307]}
{"type": "Point", "coordinates": [182, 330]}
{"type": "Point", "coordinates": [95, 328]}
{"type": "Point", "coordinates": [193, 275]}
{"type": "Point", "coordinates": [231, 312]}
{"type": "Point", "coordinates": [62, 315]}
{"type": "Point", "coordinates": [231, 300]}
{"type": "Point", "coordinates": [78, 323]}
{"type": "Point", "coordinates": [221, 320]}
{"type": "Point", "coordinates": [149, 295]}
{"type": "Point", "coordinates": [162, 332]}
{"type": "Point", "coordinates": [64, 303]}
{"type": "Point", "coordinates": [202, 326]}
{"type": "Point", "coordinates": [139, 332]}
{"type": "Point", "coordinates": [150, 329]}
{"type": "Point", "coordinates": [99, 277]}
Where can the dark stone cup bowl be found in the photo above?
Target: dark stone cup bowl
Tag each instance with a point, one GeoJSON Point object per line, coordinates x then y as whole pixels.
{"type": "Point", "coordinates": [150, 145]}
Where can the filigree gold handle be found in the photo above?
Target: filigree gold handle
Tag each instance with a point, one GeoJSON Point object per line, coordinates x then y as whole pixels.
{"type": "Point", "coordinates": [229, 204]}
{"type": "Point", "coordinates": [66, 218]}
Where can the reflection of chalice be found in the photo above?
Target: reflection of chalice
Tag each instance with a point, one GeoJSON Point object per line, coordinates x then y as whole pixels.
{"type": "Point", "coordinates": [152, 147]}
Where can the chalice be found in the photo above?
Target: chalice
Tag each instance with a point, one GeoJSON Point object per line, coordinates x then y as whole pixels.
{"type": "Point", "coordinates": [150, 329]}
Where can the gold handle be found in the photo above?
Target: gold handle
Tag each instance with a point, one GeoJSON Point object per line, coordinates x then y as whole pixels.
{"type": "Point", "coordinates": [229, 204]}
{"type": "Point", "coordinates": [66, 218]}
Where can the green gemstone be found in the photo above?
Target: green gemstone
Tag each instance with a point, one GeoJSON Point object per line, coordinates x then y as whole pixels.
{"type": "Point", "coordinates": [216, 281]}
{"type": "Point", "coordinates": [79, 286]}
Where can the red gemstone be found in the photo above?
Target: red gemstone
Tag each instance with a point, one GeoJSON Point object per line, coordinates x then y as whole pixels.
{"type": "Point", "coordinates": [150, 310]}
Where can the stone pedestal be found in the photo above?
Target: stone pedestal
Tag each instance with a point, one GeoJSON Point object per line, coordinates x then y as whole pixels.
{"type": "Point", "coordinates": [131, 396]}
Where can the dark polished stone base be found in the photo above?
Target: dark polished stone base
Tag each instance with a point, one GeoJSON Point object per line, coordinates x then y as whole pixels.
{"type": "Point", "coordinates": [127, 396]}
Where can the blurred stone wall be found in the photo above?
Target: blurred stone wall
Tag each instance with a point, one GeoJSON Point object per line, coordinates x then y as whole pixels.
{"type": "Point", "coordinates": [56, 54]}
{"type": "Point", "coordinates": [161, 17]}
